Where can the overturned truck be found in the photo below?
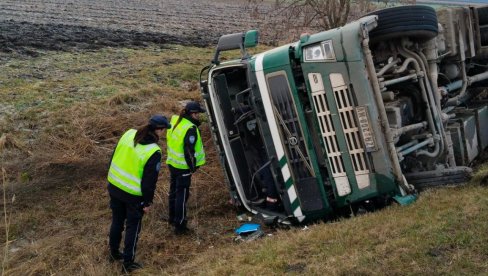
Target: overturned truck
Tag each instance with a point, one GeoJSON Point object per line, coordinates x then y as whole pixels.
{"type": "Point", "coordinates": [352, 117]}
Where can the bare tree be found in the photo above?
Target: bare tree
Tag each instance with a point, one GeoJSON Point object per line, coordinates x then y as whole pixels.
{"type": "Point", "coordinates": [284, 20]}
{"type": "Point", "coordinates": [396, 2]}
{"type": "Point", "coordinates": [323, 13]}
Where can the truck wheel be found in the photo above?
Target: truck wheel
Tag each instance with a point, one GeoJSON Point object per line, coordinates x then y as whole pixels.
{"type": "Point", "coordinates": [417, 22]}
{"type": "Point", "coordinates": [439, 178]}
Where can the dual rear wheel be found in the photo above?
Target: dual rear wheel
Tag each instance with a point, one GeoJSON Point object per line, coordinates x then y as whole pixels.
{"type": "Point", "coordinates": [416, 22]}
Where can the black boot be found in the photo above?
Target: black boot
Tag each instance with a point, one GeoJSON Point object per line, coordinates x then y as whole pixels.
{"type": "Point", "coordinates": [115, 255]}
{"type": "Point", "coordinates": [128, 267]}
{"type": "Point", "coordinates": [181, 229]}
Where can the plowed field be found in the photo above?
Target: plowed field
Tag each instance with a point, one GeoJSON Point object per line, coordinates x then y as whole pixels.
{"type": "Point", "coordinates": [86, 24]}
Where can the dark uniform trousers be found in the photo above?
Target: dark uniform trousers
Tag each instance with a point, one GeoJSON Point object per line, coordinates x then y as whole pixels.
{"type": "Point", "coordinates": [121, 211]}
{"type": "Point", "coordinates": [179, 192]}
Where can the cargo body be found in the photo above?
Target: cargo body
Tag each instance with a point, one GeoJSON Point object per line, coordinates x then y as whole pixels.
{"type": "Point", "coordinates": [352, 117]}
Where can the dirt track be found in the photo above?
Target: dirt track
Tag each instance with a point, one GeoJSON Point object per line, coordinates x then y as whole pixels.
{"type": "Point", "coordinates": [70, 24]}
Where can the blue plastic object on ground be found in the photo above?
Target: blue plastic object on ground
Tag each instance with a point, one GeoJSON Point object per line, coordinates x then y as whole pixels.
{"type": "Point", "coordinates": [405, 200]}
{"type": "Point", "coordinates": [247, 228]}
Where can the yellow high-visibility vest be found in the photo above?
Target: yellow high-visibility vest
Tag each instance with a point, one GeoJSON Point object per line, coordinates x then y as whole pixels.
{"type": "Point", "coordinates": [128, 163]}
{"type": "Point", "coordinates": [175, 138]}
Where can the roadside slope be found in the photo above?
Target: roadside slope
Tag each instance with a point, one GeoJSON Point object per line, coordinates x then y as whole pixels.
{"type": "Point", "coordinates": [62, 113]}
{"type": "Point", "coordinates": [444, 232]}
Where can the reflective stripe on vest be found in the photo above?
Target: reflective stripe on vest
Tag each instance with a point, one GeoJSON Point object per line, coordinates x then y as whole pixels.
{"type": "Point", "coordinates": [175, 138]}
{"type": "Point", "coordinates": [128, 163]}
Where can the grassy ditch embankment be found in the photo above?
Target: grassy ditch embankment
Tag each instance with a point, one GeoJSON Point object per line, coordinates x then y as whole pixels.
{"type": "Point", "coordinates": [443, 233]}
{"type": "Point", "coordinates": [60, 116]}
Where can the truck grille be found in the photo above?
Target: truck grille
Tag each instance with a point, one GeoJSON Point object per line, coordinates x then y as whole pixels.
{"type": "Point", "coordinates": [345, 106]}
{"type": "Point", "coordinates": [329, 136]}
{"type": "Point", "coordinates": [289, 125]}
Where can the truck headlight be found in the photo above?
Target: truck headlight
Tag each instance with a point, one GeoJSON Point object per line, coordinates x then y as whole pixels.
{"type": "Point", "coordinates": [319, 52]}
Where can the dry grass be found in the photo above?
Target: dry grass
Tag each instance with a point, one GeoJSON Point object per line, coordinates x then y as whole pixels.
{"type": "Point", "coordinates": [58, 176]}
{"type": "Point", "coordinates": [59, 133]}
{"type": "Point", "coordinates": [6, 220]}
{"type": "Point", "coordinates": [443, 233]}
{"type": "Point", "coordinates": [9, 142]}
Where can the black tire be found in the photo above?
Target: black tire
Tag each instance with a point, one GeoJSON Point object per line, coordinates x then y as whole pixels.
{"type": "Point", "coordinates": [449, 177]}
{"type": "Point", "coordinates": [416, 22]}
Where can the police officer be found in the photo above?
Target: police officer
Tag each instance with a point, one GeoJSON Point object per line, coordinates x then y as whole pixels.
{"type": "Point", "coordinates": [185, 155]}
{"type": "Point", "coordinates": [132, 178]}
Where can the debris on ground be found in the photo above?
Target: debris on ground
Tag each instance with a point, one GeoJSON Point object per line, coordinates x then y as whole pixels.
{"type": "Point", "coordinates": [248, 232]}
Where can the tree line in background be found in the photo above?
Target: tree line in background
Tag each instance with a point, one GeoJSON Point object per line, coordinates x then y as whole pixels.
{"type": "Point", "coordinates": [285, 20]}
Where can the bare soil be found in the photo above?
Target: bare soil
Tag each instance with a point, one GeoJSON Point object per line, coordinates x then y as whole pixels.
{"type": "Point", "coordinates": [26, 25]}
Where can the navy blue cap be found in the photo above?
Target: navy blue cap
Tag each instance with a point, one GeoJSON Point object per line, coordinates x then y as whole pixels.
{"type": "Point", "coordinates": [159, 121]}
{"type": "Point", "coordinates": [194, 107]}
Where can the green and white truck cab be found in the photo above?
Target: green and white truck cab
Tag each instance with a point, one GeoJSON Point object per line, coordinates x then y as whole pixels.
{"type": "Point", "coordinates": [355, 116]}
